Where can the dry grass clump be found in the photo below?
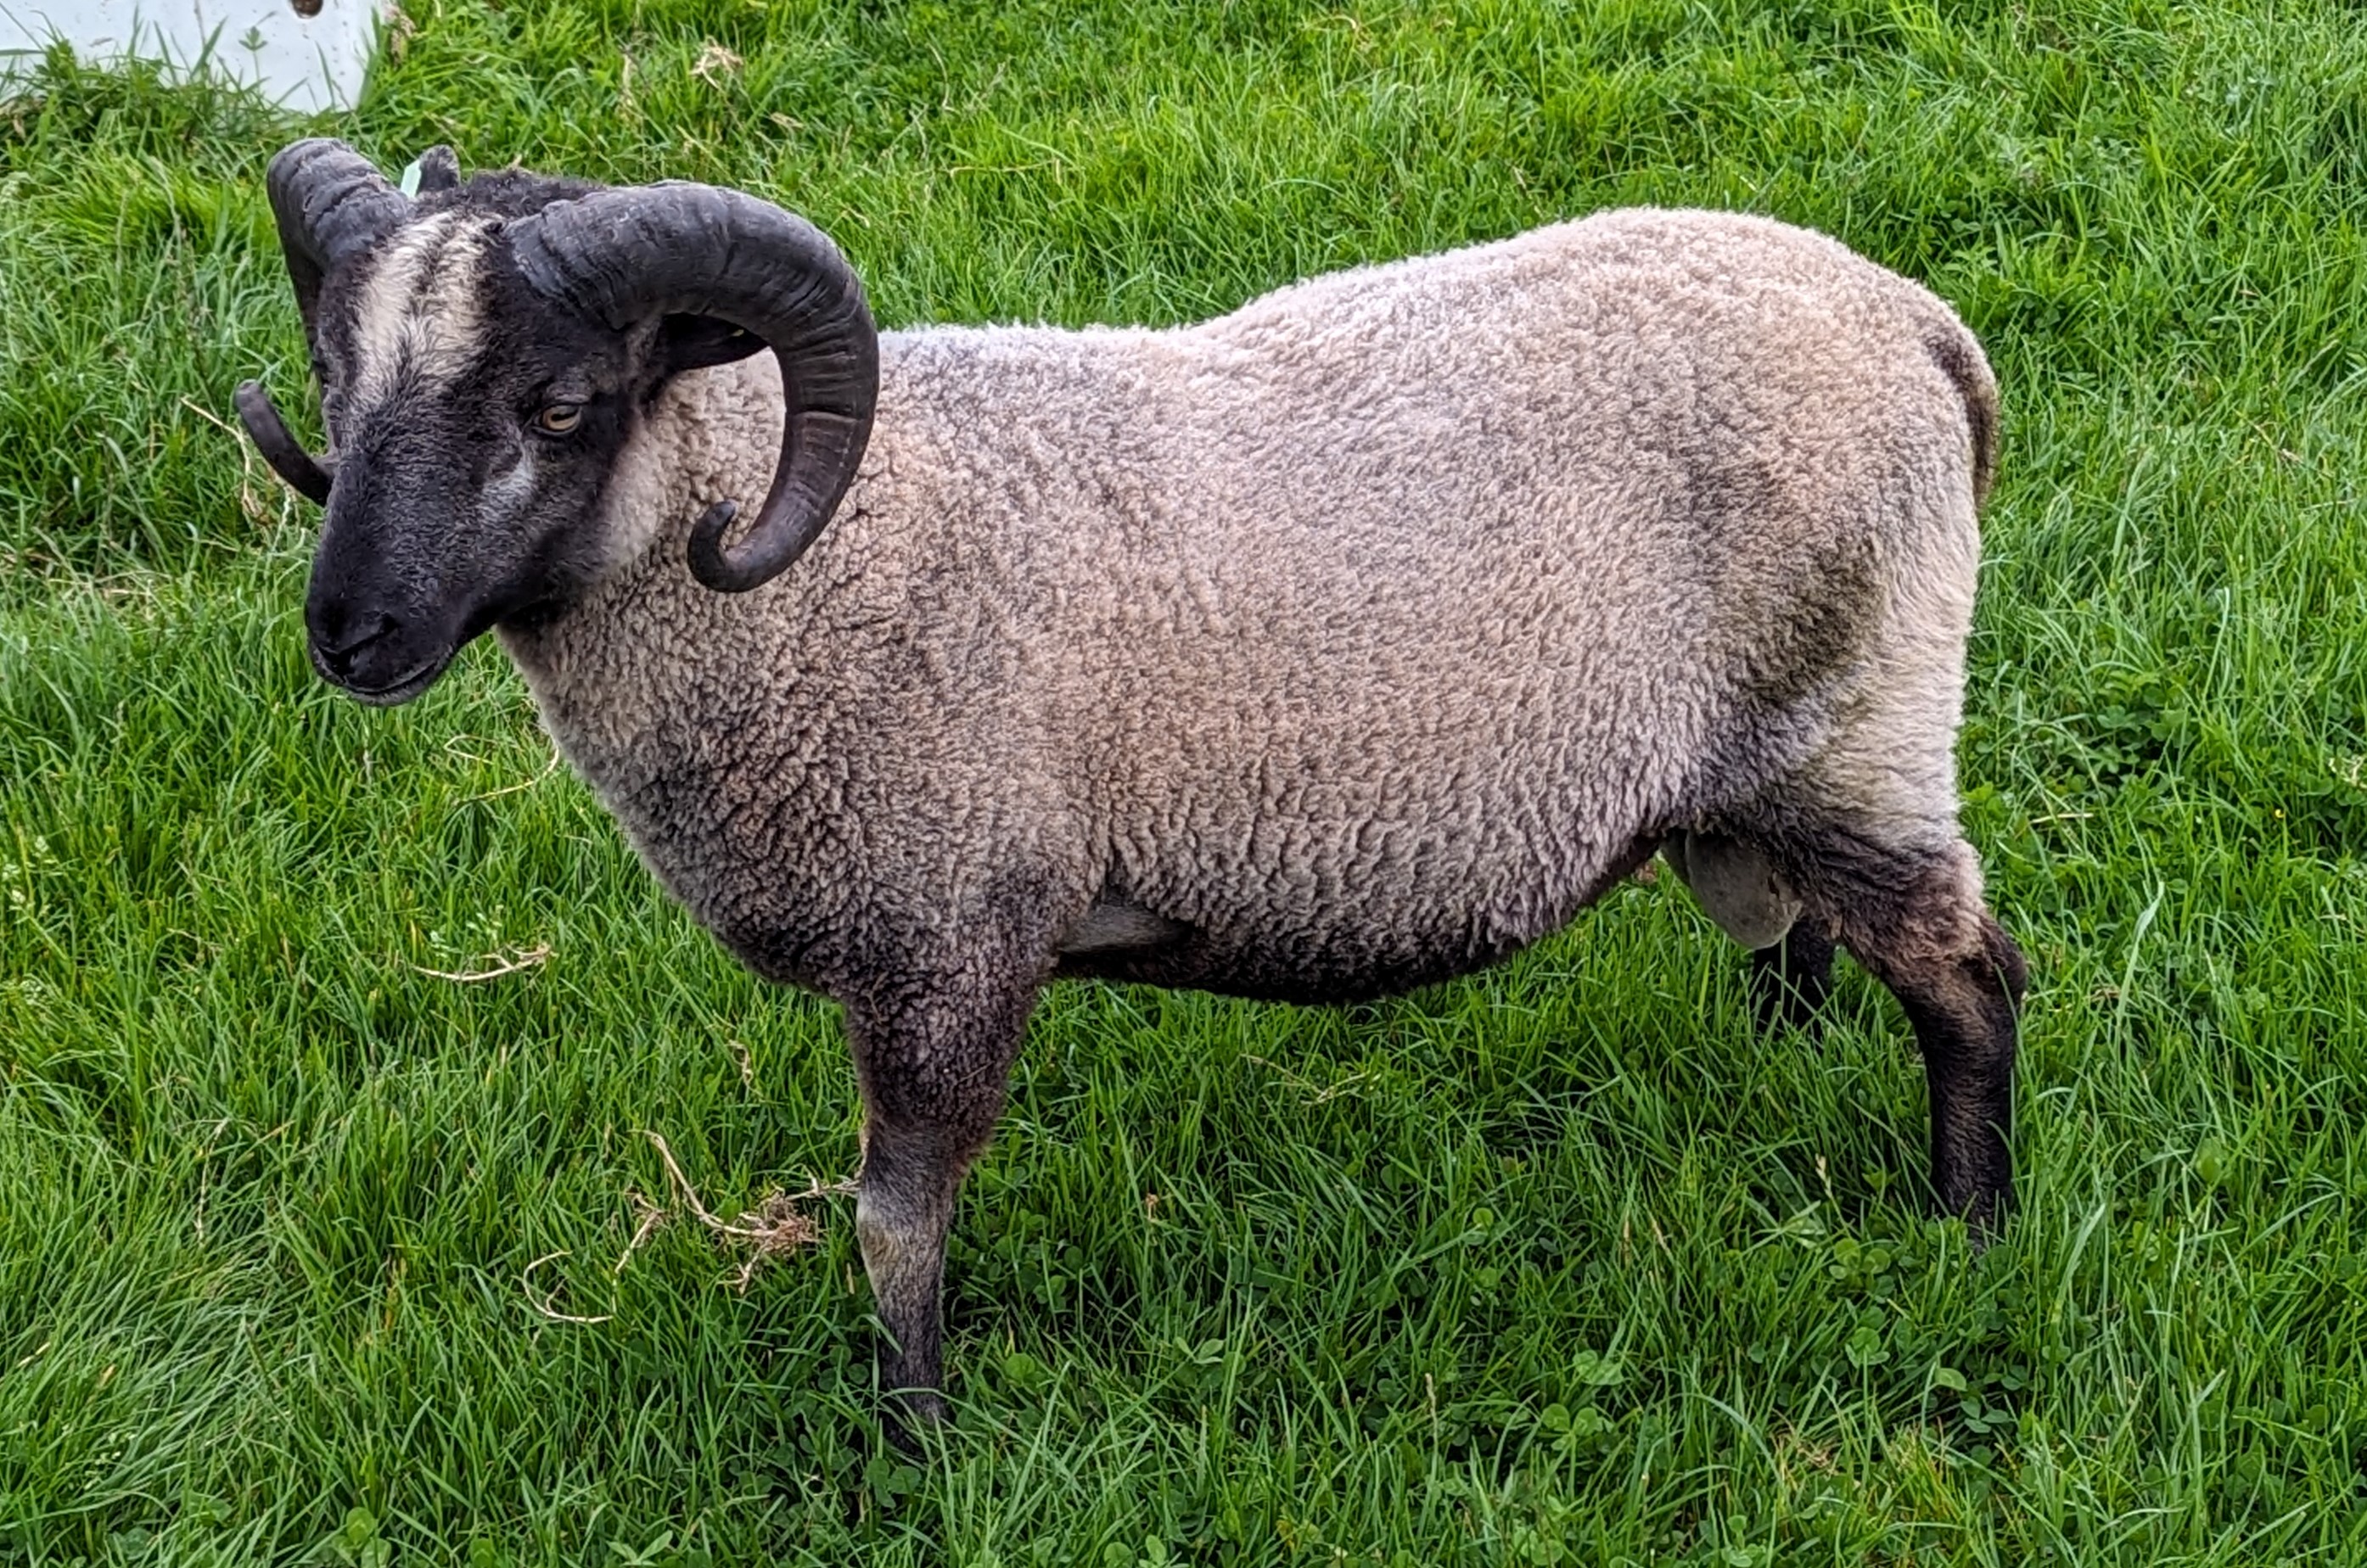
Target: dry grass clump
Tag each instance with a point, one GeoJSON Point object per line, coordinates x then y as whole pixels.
{"type": "Point", "coordinates": [777, 1226]}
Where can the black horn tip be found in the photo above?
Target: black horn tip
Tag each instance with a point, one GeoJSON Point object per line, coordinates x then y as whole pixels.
{"type": "Point", "coordinates": [710, 563]}
{"type": "Point", "coordinates": [281, 450]}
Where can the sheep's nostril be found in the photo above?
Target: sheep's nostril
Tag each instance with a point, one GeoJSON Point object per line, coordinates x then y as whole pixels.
{"type": "Point", "coordinates": [338, 641]}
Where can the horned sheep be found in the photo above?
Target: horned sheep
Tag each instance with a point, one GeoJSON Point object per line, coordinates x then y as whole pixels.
{"type": "Point", "coordinates": [1324, 649]}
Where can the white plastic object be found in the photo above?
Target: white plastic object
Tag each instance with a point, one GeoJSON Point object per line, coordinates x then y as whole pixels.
{"type": "Point", "coordinates": [306, 55]}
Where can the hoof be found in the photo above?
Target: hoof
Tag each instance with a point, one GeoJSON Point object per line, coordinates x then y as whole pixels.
{"type": "Point", "coordinates": [910, 1416]}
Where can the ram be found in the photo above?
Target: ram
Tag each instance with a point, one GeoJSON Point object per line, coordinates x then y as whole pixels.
{"type": "Point", "coordinates": [1334, 647]}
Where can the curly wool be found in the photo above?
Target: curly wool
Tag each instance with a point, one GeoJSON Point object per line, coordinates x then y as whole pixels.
{"type": "Point", "coordinates": [1331, 646]}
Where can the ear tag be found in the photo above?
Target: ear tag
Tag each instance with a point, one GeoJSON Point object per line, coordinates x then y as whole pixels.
{"type": "Point", "coordinates": [411, 179]}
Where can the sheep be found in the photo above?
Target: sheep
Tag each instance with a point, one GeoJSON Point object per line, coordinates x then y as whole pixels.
{"type": "Point", "coordinates": [1337, 646]}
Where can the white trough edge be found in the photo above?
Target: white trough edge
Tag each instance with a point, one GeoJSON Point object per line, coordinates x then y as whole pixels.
{"type": "Point", "coordinates": [300, 63]}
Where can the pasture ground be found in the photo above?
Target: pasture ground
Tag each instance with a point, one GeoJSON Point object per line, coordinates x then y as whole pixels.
{"type": "Point", "coordinates": [1560, 1265]}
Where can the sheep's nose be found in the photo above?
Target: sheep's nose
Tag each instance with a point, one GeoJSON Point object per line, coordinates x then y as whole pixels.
{"type": "Point", "coordinates": [339, 638]}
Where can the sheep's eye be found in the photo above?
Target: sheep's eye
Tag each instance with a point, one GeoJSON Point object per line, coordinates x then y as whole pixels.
{"type": "Point", "coordinates": [559, 419]}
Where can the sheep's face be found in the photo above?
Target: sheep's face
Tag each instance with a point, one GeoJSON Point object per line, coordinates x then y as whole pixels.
{"type": "Point", "coordinates": [473, 426]}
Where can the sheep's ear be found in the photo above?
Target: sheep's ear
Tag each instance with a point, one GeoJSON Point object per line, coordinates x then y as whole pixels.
{"type": "Point", "coordinates": [439, 169]}
{"type": "Point", "coordinates": [693, 343]}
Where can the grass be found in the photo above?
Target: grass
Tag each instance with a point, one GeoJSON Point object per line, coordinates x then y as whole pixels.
{"type": "Point", "coordinates": [1559, 1265]}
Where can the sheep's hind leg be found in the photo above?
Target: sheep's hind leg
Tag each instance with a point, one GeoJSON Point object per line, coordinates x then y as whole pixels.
{"type": "Point", "coordinates": [933, 1066]}
{"type": "Point", "coordinates": [1790, 979]}
{"type": "Point", "coordinates": [1915, 920]}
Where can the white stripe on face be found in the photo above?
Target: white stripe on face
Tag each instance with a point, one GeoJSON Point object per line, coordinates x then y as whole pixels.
{"type": "Point", "coordinates": [506, 495]}
{"type": "Point", "coordinates": [418, 321]}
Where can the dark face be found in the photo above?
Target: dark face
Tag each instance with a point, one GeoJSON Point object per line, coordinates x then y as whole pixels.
{"type": "Point", "coordinates": [474, 426]}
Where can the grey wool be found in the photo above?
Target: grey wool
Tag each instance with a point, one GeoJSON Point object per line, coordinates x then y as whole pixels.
{"type": "Point", "coordinates": [1333, 647]}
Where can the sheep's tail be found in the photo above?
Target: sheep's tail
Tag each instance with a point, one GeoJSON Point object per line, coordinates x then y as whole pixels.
{"type": "Point", "coordinates": [1958, 354]}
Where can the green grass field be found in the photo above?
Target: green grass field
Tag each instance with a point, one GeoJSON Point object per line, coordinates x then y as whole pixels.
{"type": "Point", "coordinates": [1559, 1265]}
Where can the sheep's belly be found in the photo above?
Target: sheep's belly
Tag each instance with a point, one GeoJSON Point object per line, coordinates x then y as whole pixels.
{"type": "Point", "coordinates": [1303, 956]}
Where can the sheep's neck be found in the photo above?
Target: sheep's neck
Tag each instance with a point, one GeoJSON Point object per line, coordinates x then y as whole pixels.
{"type": "Point", "coordinates": [667, 698]}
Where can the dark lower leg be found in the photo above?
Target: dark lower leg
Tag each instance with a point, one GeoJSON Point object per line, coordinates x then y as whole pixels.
{"type": "Point", "coordinates": [1964, 1015]}
{"type": "Point", "coordinates": [903, 1207]}
{"type": "Point", "coordinates": [1924, 935]}
{"type": "Point", "coordinates": [933, 1059]}
{"type": "Point", "coordinates": [1789, 980]}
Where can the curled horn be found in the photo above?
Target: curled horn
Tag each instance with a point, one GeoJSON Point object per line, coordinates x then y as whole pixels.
{"type": "Point", "coordinates": [282, 451]}
{"type": "Point", "coordinates": [330, 204]}
{"type": "Point", "coordinates": [623, 256]}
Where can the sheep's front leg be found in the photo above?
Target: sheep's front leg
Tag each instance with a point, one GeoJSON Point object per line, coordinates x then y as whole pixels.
{"type": "Point", "coordinates": [932, 1060]}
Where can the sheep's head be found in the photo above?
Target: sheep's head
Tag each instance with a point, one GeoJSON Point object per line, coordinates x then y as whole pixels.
{"type": "Point", "coordinates": [484, 353]}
